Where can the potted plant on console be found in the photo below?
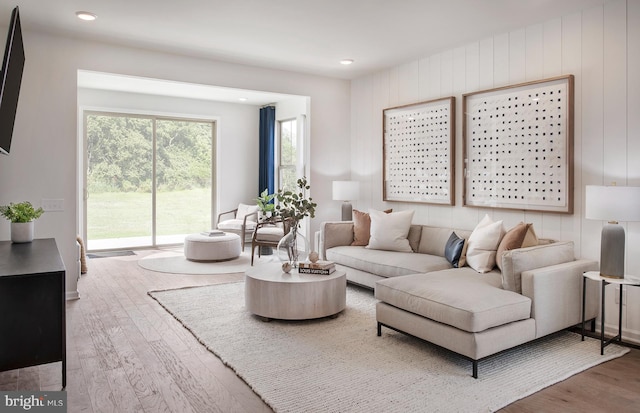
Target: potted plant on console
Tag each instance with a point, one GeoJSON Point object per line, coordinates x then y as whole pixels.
{"type": "Point", "coordinates": [22, 215]}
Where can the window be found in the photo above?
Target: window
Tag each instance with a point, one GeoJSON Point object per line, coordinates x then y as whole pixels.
{"type": "Point", "coordinates": [288, 154]}
{"type": "Point", "coordinates": [148, 179]}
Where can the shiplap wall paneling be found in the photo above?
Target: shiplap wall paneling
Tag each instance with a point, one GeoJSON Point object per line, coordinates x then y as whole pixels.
{"type": "Point", "coordinates": [615, 93]}
{"type": "Point", "coordinates": [572, 63]}
{"type": "Point", "coordinates": [592, 122]}
{"type": "Point", "coordinates": [632, 309]}
{"type": "Point", "coordinates": [632, 321]}
{"type": "Point", "coordinates": [552, 49]}
{"type": "Point", "coordinates": [614, 114]}
{"type": "Point", "coordinates": [534, 56]}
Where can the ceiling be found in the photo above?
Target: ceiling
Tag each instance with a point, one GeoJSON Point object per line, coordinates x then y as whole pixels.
{"type": "Point", "coordinates": [298, 35]}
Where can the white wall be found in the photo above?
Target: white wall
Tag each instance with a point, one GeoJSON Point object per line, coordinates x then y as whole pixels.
{"type": "Point", "coordinates": [600, 46]}
{"type": "Point", "coordinates": [43, 160]}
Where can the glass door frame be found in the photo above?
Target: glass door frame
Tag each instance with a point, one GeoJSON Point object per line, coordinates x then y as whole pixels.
{"type": "Point", "coordinates": [83, 166]}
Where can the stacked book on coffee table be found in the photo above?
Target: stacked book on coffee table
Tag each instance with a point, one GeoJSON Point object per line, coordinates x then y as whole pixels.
{"type": "Point", "coordinates": [318, 267]}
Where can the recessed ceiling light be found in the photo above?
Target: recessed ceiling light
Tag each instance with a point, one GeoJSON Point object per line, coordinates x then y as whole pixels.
{"type": "Point", "coordinates": [243, 99]}
{"type": "Point", "coordinates": [346, 62]}
{"type": "Point", "coordinates": [85, 15]}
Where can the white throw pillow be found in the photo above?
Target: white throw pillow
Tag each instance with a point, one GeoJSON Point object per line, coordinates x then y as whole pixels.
{"type": "Point", "coordinates": [483, 244]}
{"type": "Point", "coordinates": [390, 231]}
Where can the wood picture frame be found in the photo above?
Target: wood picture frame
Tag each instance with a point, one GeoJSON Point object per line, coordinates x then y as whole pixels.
{"type": "Point", "coordinates": [418, 146]}
{"type": "Point", "coordinates": [518, 146]}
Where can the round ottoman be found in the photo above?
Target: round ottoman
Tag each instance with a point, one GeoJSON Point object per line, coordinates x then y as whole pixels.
{"type": "Point", "coordinates": [198, 247]}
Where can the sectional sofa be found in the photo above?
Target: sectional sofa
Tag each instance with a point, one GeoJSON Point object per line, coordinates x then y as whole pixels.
{"type": "Point", "coordinates": [476, 312]}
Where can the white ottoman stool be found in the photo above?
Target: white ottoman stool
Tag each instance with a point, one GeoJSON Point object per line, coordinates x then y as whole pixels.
{"type": "Point", "coordinates": [198, 247]}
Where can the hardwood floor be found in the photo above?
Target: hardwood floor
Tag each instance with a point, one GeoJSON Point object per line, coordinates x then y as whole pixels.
{"type": "Point", "coordinates": [127, 354]}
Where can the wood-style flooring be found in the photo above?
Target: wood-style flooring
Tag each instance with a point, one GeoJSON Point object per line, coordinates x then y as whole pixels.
{"type": "Point", "coordinates": [127, 354]}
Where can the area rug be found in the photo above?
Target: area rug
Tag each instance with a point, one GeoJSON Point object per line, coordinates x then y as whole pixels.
{"type": "Point", "coordinates": [340, 365]}
{"type": "Point", "coordinates": [175, 262]}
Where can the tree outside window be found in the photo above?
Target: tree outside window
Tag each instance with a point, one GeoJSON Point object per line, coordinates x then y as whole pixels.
{"type": "Point", "coordinates": [287, 171]}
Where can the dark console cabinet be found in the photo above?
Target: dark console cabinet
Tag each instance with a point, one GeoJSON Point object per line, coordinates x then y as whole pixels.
{"type": "Point", "coordinates": [32, 305]}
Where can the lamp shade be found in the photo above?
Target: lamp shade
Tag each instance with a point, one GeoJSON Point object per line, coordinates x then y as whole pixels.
{"type": "Point", "coordinates": [612, 203]}
{"type": "Point", "coordinates": [346, 190]}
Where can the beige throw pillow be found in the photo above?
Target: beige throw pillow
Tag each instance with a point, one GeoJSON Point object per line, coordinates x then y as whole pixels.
{"type": "Point", "coordinates": [512, 240]}
{"type": "Point", "coordinates": [389, 231]}
{"type": "Point", "coordinates": [530, 238]}
{"type": "Point", "coordinates": [483, 244]}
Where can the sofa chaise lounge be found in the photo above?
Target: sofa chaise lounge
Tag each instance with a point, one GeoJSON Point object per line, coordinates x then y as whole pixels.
{"type": "Point", "coordinates": [537, 291]}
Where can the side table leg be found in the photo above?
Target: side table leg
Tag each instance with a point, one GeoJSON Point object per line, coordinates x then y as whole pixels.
{"type": "Point", "coordinates": [620, 317]}
{"type": "Point", "coordinates": [602, 320]}
{"type": "Point", "coordinates": [584, 287]}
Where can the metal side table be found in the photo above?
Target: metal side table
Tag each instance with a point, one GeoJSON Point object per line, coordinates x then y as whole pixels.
{"type": "Point", "coordinates": [595, 275]}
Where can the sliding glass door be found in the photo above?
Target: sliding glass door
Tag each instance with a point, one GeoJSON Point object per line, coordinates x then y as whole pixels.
{"type": "Point", "coordinates": [149, 179]}
{"type": "Point", "coordinates": [183, 179]}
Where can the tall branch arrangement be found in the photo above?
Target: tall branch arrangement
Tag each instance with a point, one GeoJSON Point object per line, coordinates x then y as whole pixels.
{"type": "Point", "coordinates": [295, 205]}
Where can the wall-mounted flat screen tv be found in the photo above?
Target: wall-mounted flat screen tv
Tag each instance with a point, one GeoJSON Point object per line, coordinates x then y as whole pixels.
{"type": "Point", "coordinates": [12, 67]}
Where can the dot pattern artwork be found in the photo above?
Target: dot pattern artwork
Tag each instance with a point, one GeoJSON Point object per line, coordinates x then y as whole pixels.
{"type": "Point", "coordinates": [517, 148]}
{"type": "Point", "coordinates": [418, 145]}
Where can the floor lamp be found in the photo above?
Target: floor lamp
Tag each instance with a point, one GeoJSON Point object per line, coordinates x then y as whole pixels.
{"type": "Point", "coordinates": [346, 191]}
{"type": "Point", "coordinates": [612, 204]}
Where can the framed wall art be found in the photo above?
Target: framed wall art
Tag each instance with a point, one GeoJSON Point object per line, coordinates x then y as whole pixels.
{"type": "Point", "coordinates": [518, 146]}
{"type": "Point", "coordinates": [418, 152]}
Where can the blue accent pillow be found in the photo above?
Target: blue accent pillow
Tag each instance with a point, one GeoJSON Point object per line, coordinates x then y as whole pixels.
{"type": "Point", "coordinates": [453, 249]}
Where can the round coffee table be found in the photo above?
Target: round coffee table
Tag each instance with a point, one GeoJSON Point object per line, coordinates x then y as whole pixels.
{"type": "Point", "coordinates": [199, 247]}
{"type": "Point", "coordinates": [271, 293]}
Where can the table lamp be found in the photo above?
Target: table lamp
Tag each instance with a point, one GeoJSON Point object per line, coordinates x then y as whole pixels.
{"type": "Point", "coordinates": [612, 204]}
{"type": "Point", "coordinates": [346, 191]}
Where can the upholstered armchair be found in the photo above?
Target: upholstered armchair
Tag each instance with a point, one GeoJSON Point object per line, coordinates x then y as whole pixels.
{"type": "Point", "coordinates": [268, 233]}
{"type": "Point", "coordinates": [241, 221]}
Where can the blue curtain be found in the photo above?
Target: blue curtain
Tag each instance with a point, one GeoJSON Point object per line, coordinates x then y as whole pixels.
{"type": "Point", "coordinates": [267, 143]}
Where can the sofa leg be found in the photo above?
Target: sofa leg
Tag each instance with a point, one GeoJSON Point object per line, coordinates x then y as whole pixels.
{"type": "Point", "coordinates": [475, 369]}
{"type": "Point", "coordinates": [379, 329]}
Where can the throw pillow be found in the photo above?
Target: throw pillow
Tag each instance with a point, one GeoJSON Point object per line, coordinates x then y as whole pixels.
{"type": "Point", "coordinates": [463, 255]}
{"type": "Point", "coordinates": [483, 244]}
{"type": "Point", "coordinates": [530, 239]}
{"type": "Point", "coordinates": [389, 231]}
{"type": "Point", "coordinates": [513, 239]}
{"type": "Point", "coordinates": [244, 210]}
{"type": "Point", "coordinates": [453, 249]}
{"type": "Point", "coordinates": [362, 227]}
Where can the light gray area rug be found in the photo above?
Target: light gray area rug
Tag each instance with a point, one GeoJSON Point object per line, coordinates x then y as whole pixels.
{"type": "Point", "coordinates": [175, 262]}
{"type": "Point", "coordinates": [340, 365]}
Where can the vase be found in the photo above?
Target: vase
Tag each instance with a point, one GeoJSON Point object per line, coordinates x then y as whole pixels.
{"type": "Point", "coordinates": [21, 232]}
{"type": "Point", "coordinates": [293, 247]}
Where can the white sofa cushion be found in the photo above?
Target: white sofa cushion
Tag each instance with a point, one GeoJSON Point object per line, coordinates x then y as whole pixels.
{"type": "Point", "coordinates": [269, 233]}
{"type": "Point", "coordinates": [459, 297]}
{"type": "Point", "coordinates": [385, 263]}
{"type": "Point", "coordinates": [389, 232]}
{"type": "Point", "coordinates": [236, 225]}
